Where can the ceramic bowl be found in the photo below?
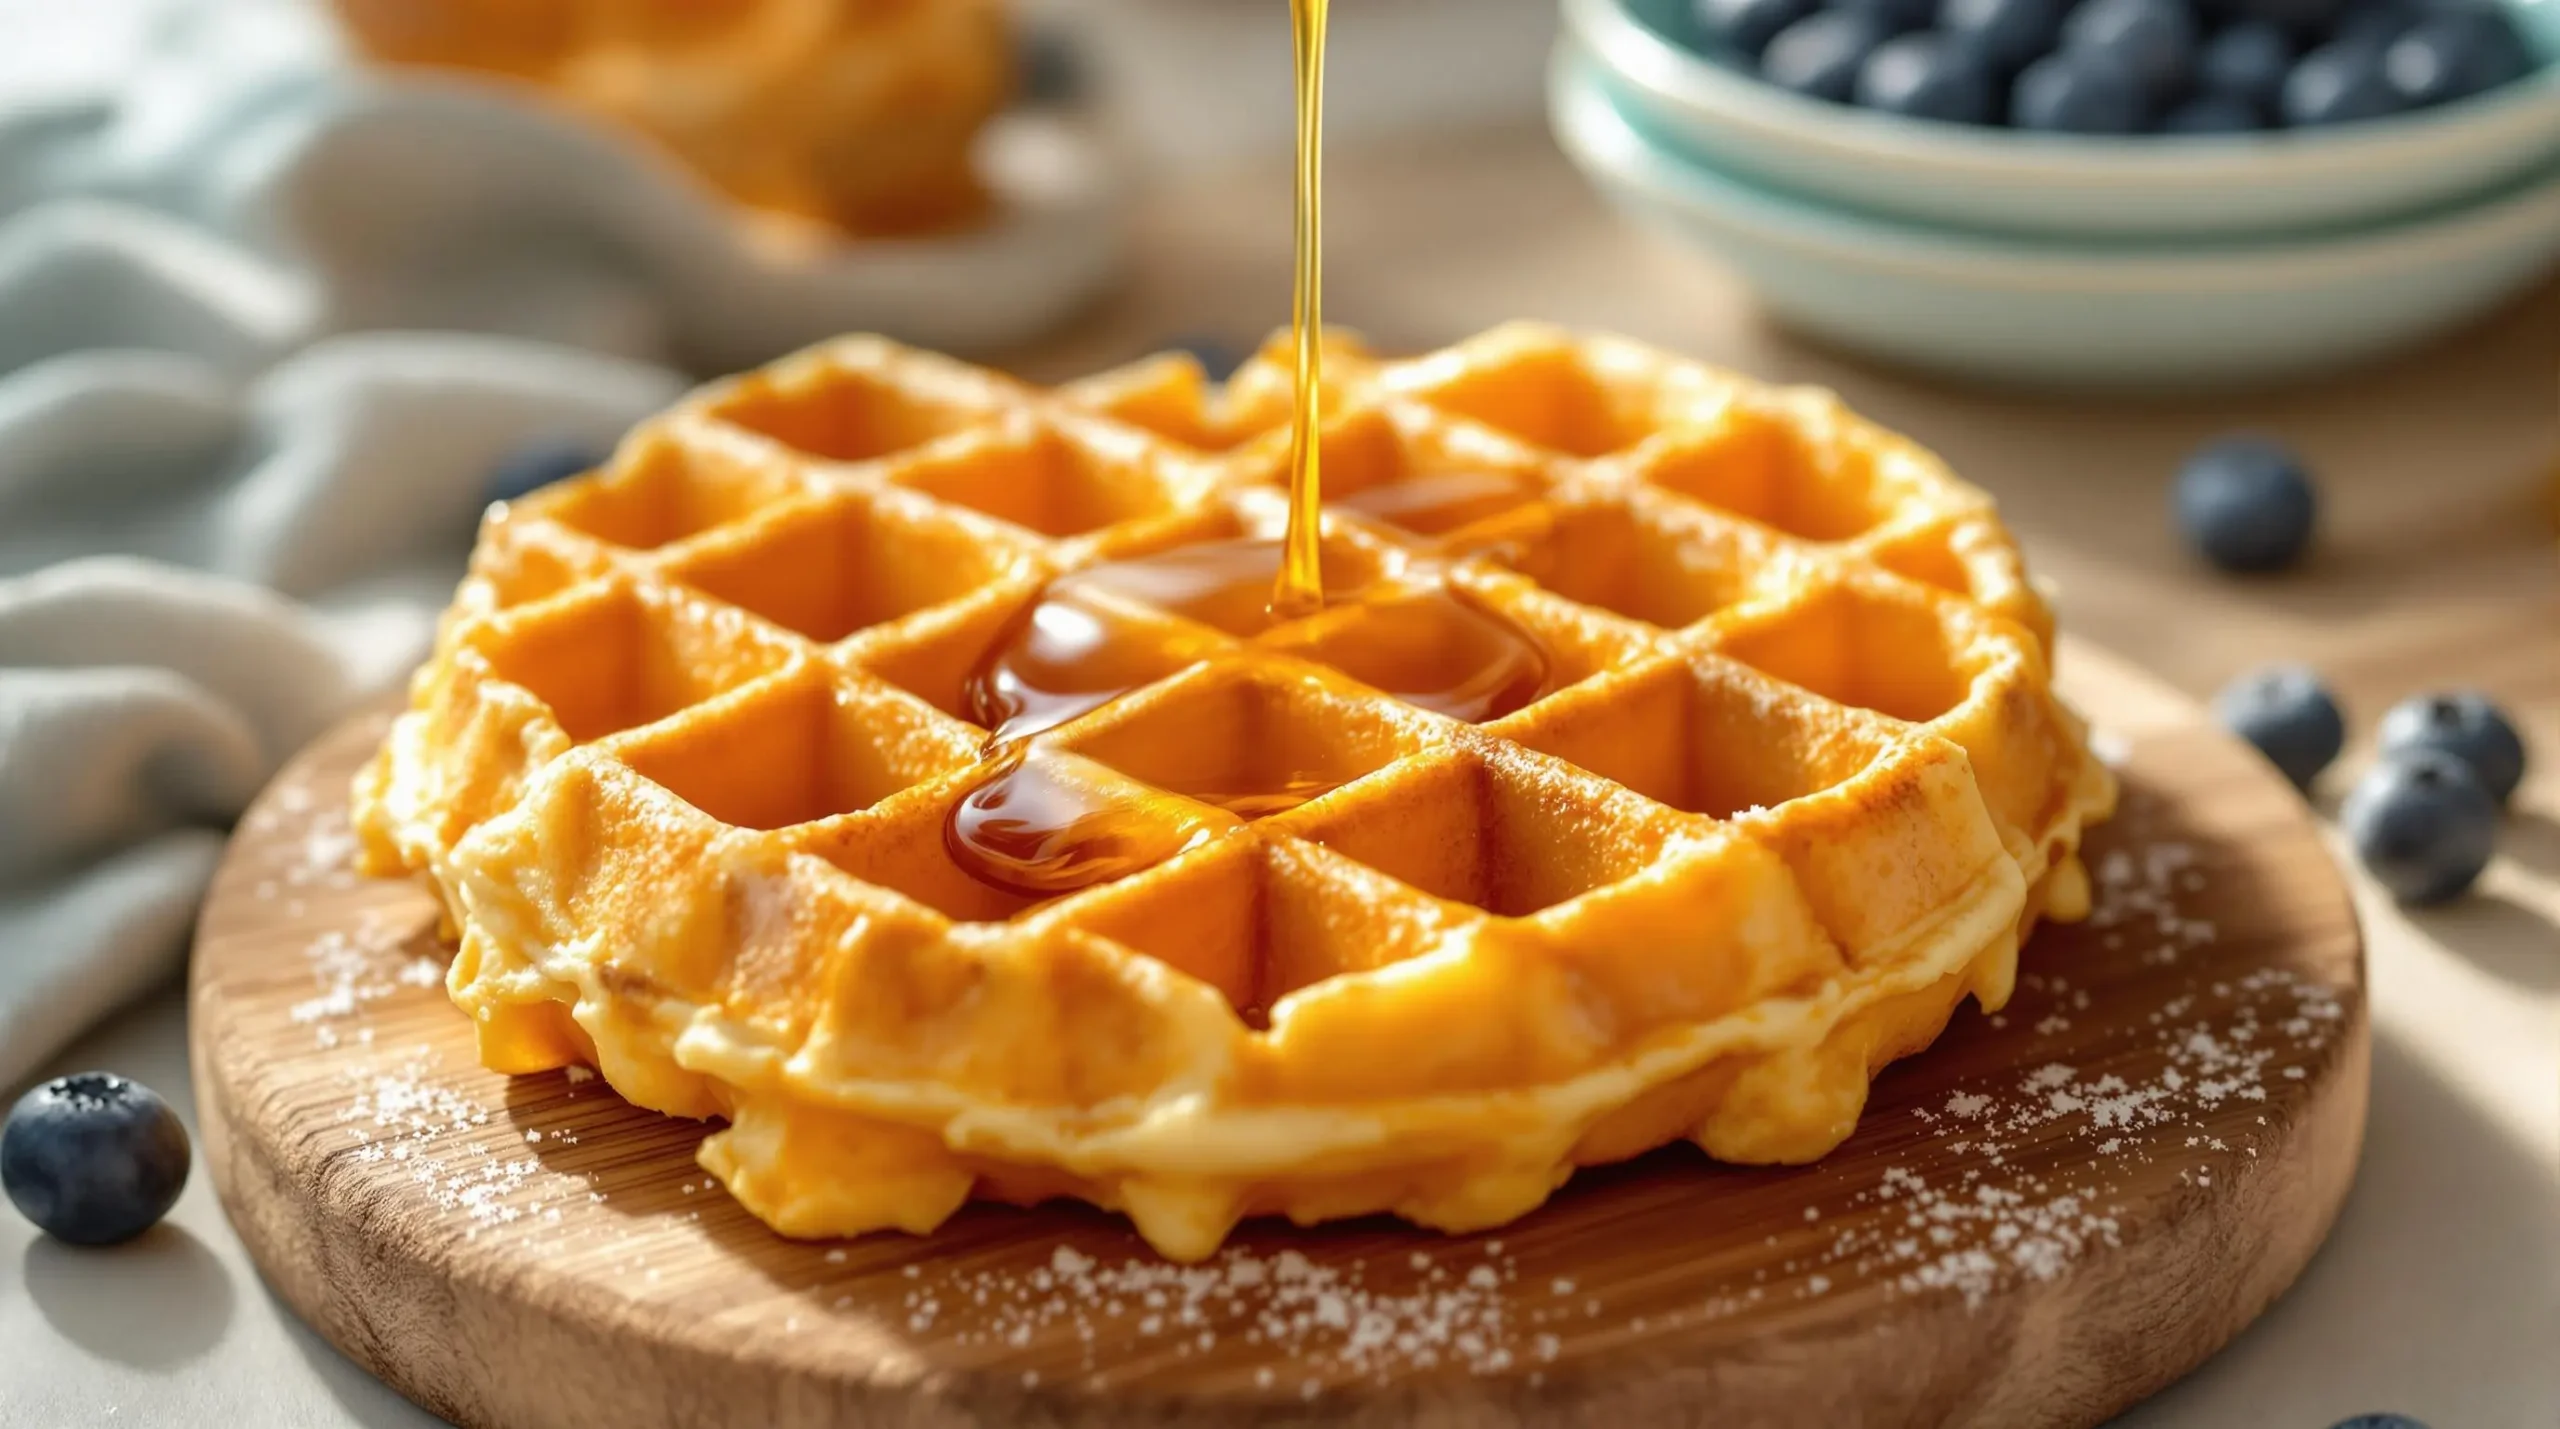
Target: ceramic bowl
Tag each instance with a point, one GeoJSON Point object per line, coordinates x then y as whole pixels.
{"type": "Point", "coordinates": [2002, 180]}
{"type": "Point", "coordinates": [2045, 312]}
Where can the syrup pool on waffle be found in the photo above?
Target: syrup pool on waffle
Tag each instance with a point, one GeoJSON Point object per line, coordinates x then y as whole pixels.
{"type": "Point", "coordinates": [1022, 830]}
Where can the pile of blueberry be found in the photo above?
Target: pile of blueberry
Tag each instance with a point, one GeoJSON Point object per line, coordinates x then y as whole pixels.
{"type": "Point", "coordinates": [2425, 818]}
{"type": "Point", "coordinates": [2122, 66]}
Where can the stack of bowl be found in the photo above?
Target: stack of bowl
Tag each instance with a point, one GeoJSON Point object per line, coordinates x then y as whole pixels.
{"type": "Point", "coordinates": [2150, 261]}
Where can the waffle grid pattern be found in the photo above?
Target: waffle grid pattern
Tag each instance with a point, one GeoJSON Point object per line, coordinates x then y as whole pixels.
{"type": "Point", "coordinates": [1797, 784]}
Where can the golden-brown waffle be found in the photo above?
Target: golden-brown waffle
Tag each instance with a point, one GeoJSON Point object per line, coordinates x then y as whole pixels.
{"type": "Point", "coordinates": [1797, 785]}
{"type": "Point", "coordinates": [856, 113]}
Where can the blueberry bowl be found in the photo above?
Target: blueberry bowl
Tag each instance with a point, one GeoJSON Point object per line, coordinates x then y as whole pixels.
{"type": "Point", "coordinates": [2069, 314]}
{"type": "Point", "coordinates": [2028, 142]}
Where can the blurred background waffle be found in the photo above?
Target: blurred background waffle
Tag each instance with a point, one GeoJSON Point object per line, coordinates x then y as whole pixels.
{"type": "Point", "coordinates": [702, 186]}
{"type": "Point", "coordinates": [858, 113]}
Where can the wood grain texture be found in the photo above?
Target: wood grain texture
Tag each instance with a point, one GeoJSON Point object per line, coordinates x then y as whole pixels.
{"type": "Point", "coordinates": [2043, 1218]}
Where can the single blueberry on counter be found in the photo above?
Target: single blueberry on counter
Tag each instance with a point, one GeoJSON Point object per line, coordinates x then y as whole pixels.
{"type": "Point", "coordinates": [2288, 715]}
{"type": "Point", "coordinates": [538, 464]}
{"type": "Point", "coordinates": [1218, 359]}
{"type": "Point", "coordinates": [2246, 61]}
{"type": "Point", "coordinates": [2156, 39]}
{"type": "Point", "coordinates": [2455, 55]}
{"type": "Point", "coordinates": [93, 1159]}
{"type": "Point", "coordinates": [2246, 504]}
{"type": "Point", "coordinates": [2464, 724]}
{"type": "Point", "coordinates": [2077, 93]}
{"type": "Point", "coordinates": [2379, 1421]}
{"type": "Point", "coordinates": [2006, 34]}
{"type": "Point", "coordinates": [1926, 77]}
{"type": "Point", "coordinates": [1746, 26]}
{"type": "Point", "coordinates": [1049, 66]}
{"type": "Point", "coordinates": [1819, 55]}
{"type": "Point", "coordinates": [2422, 824]}
{"type": "Point", "coordinates": [2339, 83]}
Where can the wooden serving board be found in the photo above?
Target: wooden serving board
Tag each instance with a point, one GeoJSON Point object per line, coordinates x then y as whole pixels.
{"type": "Point", "coordinates": [2048, 1215]}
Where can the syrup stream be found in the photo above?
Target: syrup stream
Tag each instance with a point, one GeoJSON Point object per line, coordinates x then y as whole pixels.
{"type": "Point", "coordinates": [1301, 587]}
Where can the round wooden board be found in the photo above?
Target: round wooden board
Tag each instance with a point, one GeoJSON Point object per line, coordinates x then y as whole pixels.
{"type": "Point", "coordinates": [2046, 1216]}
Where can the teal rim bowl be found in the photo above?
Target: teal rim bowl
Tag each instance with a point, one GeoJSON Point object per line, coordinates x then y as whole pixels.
{"type": "Point", "coordinates": [2001, 180]}
{"type": "Point", "coordinates": [2152, 317]}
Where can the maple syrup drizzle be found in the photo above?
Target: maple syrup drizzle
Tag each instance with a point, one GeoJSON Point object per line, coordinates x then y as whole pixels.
{"type": "Point", "coordinates": [1300, 590]}
{"type": "Point", "coordinates": [1024, 830]}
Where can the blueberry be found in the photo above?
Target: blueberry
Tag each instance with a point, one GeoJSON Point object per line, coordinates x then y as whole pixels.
{"type": "Point", "coordinates": [2423, 825]}
{"type": "Point", "coordinates": [93, 1159]}
{"type": "Point", "coordinates": [2077, 93]}
{"type": "Point", "coordinates": [2246, 504]}
{"type": "Point", "coordinates": [2288, 715]}
{"type": "Point", "coordinates": [1218, 358]}
{"type": "Point", "coordinates": [2338, 83]}
{"type": "Point", "coordinates": [538, 464]}
{"type": "Point", "coordinates": [1746, 26]}
{"type": "Point", "coordinates": [2464, 724]}
{"type": "Point", "coordinates": [1049, 66]}
{"type": "Point", "coordinates": [2379, 1421]}
{"type": "Point", "coordinates": [2246, 61]}
{"type": "Point", "coordinates": [1896, 16]}
{"type": "Point", "coordinates": [2006, 34]}
{"type": "Point", "coordinates": [2213, 114]}
{"type": "Point", "coordinates": [2373, 22]}
{"type": "Point", "coordinates": [1819, 55]}
{"type": "Point", "coordinates": [2156, 39]}
{"type": "Point", "coordinates": [2305, 19]}
{"type": "Point", "coordinates": [2455, 55]}
{"type": "Point", "coordinates": [1925, 77]}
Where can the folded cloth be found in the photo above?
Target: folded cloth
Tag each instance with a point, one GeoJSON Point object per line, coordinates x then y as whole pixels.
{"type": "Point", "coordinates": [244, 439]}
{"type": "Point", "coordinates": [303, 529]}
{"type": "Point", "coordinates": [244, 186]}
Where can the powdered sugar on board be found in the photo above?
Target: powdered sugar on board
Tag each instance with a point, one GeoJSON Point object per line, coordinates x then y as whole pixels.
{"type": "Point", "coordinates": [1458, 1306]}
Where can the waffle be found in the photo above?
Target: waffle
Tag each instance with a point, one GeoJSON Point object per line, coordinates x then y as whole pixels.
{"type": "Point", "coordinates": [1793, 783]}
{"type": "Point", "coordinates": [860, 114]}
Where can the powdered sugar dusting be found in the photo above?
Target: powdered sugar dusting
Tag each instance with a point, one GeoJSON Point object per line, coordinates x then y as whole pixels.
{"type": "Point", "coordinates": [457, 1154]}
{"type": "Point", "coordinates": [1971, 1226]}
{"type": "Point", "coordinates": [1304, 1322]}
{"type": "Point", "coordinates": [353, 967]}
{"type": "Point", "coordinates": [323, 857]}
{"type": "Point", "coordinates": [2137, 898]}
{"type": "Point", "coordinates": [1964, 1214]}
